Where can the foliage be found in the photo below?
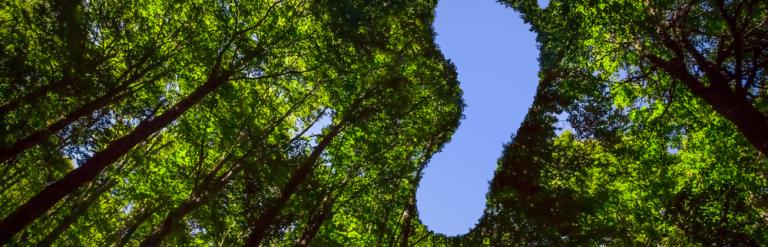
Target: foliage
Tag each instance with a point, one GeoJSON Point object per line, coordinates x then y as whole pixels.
{"type": "Point", "coordinates": [309, 122]}
{"type": "Point", "coordinates": [654, 150]}
{"type": "Point", "coordinates": [244, 94]}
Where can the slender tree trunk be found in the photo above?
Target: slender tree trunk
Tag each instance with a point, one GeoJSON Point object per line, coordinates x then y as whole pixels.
{"type": "Point", "coordinates": [381, 227]}
{"type": "Point", "coordinates": [313, 226]}
{"type": "Point", "coordinates": [40, 203]}
{"type": "Point", "coordinates": [410, 205]}
{"type": "Point", "coordinates": [316, 221]}
{"type": "Point", "coordinates": [259, 228]}
{"type": "Point", "coordinates": [72, 217]}
{"type": "Point", "coordinates": [206, 190]}
{"type": "Point", "coordinates": [114, 95]}
{"type": "Point", "coordinates": [410, 210]}
{"type": "Point", "coordinates": [210, 185]}
{"type": "Point", "coordinates": [171, 220]}
{"type": "Point", "coordinates": [70, 25]}
{"type": "Point", "coordinates": [121, 237]}
{"type": "Point", "coordinates": [20, 145]}
{"type": "Point", "coordinates": [71, 29]}
{"type": "Point", "coordinates": [32, 96]}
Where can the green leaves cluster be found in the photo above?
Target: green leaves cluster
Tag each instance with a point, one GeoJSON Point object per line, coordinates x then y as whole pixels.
{"type": "Point", "coordinates": [309, 122]}
{"type": "Point", "coordinates": [638, 133]}
{"type": "Point", "coordinates": [282, 122]}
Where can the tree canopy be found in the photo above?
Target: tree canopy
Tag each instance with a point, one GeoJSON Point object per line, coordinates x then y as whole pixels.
{"type": "Point", "coordinates": [309, 123]}
{"type": "Point", "coordinates": [644, 130]}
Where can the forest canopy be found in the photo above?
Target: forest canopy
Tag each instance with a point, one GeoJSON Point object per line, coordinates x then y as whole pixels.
{"type": "Point", "coordinates": [309, 122]}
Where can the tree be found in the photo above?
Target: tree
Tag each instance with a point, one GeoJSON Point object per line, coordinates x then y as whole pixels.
{"type": "Point", "coordinates": [636, 133]}
{"type": "Point", "coordinates": [715, 49]}
{"type": "Point", "coordinates": [217, 74]}
{"type": "Point", "coordinates": [203, 118]}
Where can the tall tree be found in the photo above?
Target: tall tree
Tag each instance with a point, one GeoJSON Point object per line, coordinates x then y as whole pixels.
{"type": "Point", "coordinates": [218, 177]}
{"type": "Point", "coordinates": [715, 49]}
{"type": "Point", "coordinates": [77, 211]}
{"type": "Point", "coordinates": [207, 118]}
{"type": "Point", "coordinates": [219, 73]}
{"type": "Point", "coordinates": [259, 227]}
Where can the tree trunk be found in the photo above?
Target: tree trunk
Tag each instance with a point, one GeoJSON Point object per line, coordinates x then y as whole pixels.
{"type": "Point", "coordinates": [750, 122]}
{"type": "Point", "coordinates": [121, 237]}
{"type": "Point", "coordinates": [172, 219]}
{"type": "Point", "coordinates": [259, 228]}
{"type": "Point", "coordinates": [206, 190]}
{"type": "Point", "coordinates": [316, 220]}
{"type": "Point", "coordinates": [410, 205]}
{"type": "Point", "coordinates": [410, 210]}
{"type": "Point", "coordinates": [77, 211]}
{"type": "Point", "coordinates": [40, 203]}
{"type": "Point", "coordinates": [733, 106]}
{"type": "Point", "coordinates": [210, 185]}
{"type": "Point", "coordinates": [110, 97]}
{"type": "Point", "coordinates": [203, 193]}
{"type": "Point", "coordinates": [38, 93]}
{"type": "Point", "coordinates": [75, 35]}
{"type": "Point", "coordinates": [35, 138]}
{"type": "Point", "coordinates": [72, 32]}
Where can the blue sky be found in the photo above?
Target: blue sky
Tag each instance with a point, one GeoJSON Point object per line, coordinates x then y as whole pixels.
{"type": "Point", "coordinates": [495, 54]}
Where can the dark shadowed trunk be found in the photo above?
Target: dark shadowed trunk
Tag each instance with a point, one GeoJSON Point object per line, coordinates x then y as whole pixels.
{"type": "Point", "coordinates": [43, 201]}
{"type": "Point", "coordinates": [121, 237]}
{"type": "Point", "coordinates": [78, 210]}
{"type": "Point", "coordinates": [30, 97]}
{"type": "Point", "coordinates": [199, 196]}
{"type": "Point", "coordinates": [732, 105]}
{"type": "Point", "coordinates": [114, 95]}
{"type": "Point", "coordinates": [72, 31]}
{"type": "Point", "coordinates": [25, 143]}
{"type": "Point", "coordinates": [69, 16]}
{"type": "Point", "coordinates": [321, 214]}
{"type": "Point", "coordinates": [259, 228]}
{"type": "Point", "coordinates": [750, 122]}
{"type": "Point", "coordinates": [211, 185]}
